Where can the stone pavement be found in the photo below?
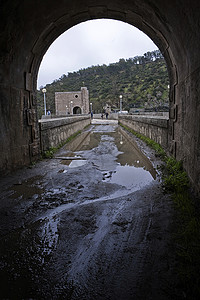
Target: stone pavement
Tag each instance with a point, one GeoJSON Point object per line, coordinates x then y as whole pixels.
{"type": "Point", "coordinates": [104, 121]}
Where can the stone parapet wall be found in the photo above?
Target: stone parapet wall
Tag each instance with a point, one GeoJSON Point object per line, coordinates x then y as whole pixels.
{"type": "Point", "coordinates": [164, 114]}
{"type": "Point", "coordinates": [151, 126]}
{"type": "Point", "coordinates": [55, 131]}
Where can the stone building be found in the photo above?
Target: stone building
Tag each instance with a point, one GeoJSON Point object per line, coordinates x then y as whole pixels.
{"type": "Point", "coordinates": [72, 102]}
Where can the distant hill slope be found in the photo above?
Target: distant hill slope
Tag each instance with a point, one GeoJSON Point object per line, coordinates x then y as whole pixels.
{"type": "Point", "coordinates": [142, 80]}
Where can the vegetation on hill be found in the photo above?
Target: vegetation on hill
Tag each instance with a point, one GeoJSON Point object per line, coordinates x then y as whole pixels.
{"type": "Point", "coordinates": [142, 81]}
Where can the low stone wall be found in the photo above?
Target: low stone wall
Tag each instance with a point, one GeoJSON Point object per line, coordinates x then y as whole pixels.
{"type": "Point", "coordinates": [164, 114]}
{"type": "Point", "coordinates": [153, 127]}
{"type": "Point", "coordinates": [55, 131]}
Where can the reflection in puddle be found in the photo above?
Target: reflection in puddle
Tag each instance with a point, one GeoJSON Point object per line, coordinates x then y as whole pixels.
{"type": "Point", "coordinates": [131, 155]}
{"type": "Point", "coordinates": [77, 163]}
{"type": "Point", "coordinates": [73, 163]}
{"type": "Point", "coordinates": [28, 188]}
{"type": "Point", "coordinates": [111, 150]}
{"type": "Point", "coordinates": [129, 177]}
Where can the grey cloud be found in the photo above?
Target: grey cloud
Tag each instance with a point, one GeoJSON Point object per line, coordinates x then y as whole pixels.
{"type": "Point", "coordinates": [92, 43]}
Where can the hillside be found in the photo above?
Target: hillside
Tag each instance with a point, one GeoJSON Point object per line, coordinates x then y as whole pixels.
{"type": "Point", "coordinates": [142, 80]}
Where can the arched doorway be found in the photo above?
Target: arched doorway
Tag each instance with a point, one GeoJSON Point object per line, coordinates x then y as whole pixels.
{"type": "Point", "coordinates": [76, 110]}
{"type": "Point", "coordinates": [161, 21]}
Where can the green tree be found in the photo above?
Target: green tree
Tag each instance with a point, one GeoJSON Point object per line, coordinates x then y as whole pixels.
{"type": "Point", "coordinates": [142, 80]}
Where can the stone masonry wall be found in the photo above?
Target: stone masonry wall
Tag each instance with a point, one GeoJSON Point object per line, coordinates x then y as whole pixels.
{"type": "Point", "coordinates": [55, 131]}
{"type": "Point", "coordinates": [154, 128]}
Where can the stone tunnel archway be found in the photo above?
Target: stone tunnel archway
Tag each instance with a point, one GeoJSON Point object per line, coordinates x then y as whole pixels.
{"type": "Point", "coordinates": [76, 110]}
{"type": "Point", "coordinates": [25, 37]}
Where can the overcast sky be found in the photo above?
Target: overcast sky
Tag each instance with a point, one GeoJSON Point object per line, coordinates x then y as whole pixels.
{"type": "Point", "coordinates": [95, 42]}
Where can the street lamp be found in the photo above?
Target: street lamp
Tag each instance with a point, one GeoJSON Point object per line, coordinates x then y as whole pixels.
{"type": "Point", "coordinates": [121, 140]}
{"type": "Point", "coordinates": [120, 97]}
{"type": "Point", "coordinates": [45, 108]}
{"type": "Point", "coordinates": [71, 107]}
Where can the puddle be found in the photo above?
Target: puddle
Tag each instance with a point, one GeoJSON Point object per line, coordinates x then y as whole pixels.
{"type": "Point", "coordinates": [27, 189]}
{"type": "Point", "coordinates": [127, 176]}
{"type": "Point", "coordinates": [82, 141]}
{"type": "Point", "coordinates": [77, 163]}
{"type": "Point", "coordinates": [110, 150]}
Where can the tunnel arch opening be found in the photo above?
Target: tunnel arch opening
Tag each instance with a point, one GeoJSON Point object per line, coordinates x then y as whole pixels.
{"type": "Point", "coordinates": [52, 32]}
{"type": "Point", "coordinates": [154, 35]}
{"type": "Point", "coordinates": [77, 110]}
{"type": "Point", "coordinates": [91, 56]}
{"type": "Point", "coordinates": [126, 97]}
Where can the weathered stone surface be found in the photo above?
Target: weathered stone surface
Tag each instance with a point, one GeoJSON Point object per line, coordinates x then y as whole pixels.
{"type": "Point", "coordinates": [72, 102]}
{"type": "Point", "coordinates": [55, 131]}
{"type": "Point", "coordinates": [152, 127]}
{"type": "Point", "coordinates": [28, 28]}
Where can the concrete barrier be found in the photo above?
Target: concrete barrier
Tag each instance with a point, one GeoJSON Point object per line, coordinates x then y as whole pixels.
{"type": "Point", "coordinates": [153, 127]}
{"type": "Point", "coordinates": [53, 132]}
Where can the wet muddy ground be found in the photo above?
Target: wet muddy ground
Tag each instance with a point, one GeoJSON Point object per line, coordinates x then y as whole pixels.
{"type": "Point", "coordinates": [91, 223]}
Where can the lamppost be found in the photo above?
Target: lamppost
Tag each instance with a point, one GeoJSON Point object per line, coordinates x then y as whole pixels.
{"type": "Point", "coordinates": [120, 97]}
{"type": "Point", "coordinates": [66, 110]}
{"type": "Point", "coordinates": [71, 107]}
{"type": "Point", "coordinates": [45, 108]}
{"type": "Point", "coordinates": [121, 140]}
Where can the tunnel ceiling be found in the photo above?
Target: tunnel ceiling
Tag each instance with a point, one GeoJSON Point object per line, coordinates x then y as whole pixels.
{"type": "Point", "coordinates": [28, 28]}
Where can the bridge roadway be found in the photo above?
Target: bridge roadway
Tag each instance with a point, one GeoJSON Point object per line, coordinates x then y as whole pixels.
{"type": "Point", "coordinates": [80, 229]}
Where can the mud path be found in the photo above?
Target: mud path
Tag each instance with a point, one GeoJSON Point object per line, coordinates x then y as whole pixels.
{"type": "Point", "coordinates": [92, 223]}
